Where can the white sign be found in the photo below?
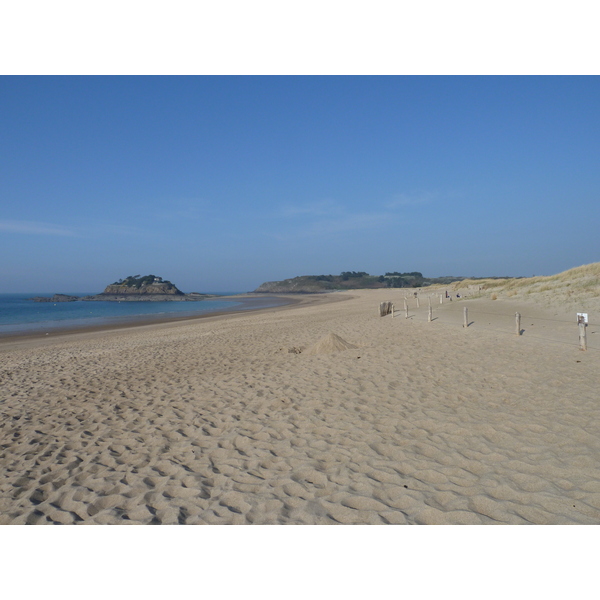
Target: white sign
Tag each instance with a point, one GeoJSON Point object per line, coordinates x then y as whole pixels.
{"type": "Point", "coordinates": [582, 318]}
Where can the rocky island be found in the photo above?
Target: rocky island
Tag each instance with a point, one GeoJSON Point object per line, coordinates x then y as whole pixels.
{"type": "Point", "coordinates": [56, 298]}
{"type": "Point", "coordinates": [148, 288]}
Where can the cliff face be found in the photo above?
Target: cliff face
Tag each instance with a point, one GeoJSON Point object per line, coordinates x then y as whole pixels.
{"type": "Point", "coordinates": [143, 290]}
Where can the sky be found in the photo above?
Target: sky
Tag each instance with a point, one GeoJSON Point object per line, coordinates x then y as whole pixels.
{"type": "Point", "coordinates": [219, 183]}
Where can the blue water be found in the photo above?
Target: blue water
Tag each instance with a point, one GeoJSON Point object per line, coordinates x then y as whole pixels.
{"type": "Point", "coordinates": [18, 313]}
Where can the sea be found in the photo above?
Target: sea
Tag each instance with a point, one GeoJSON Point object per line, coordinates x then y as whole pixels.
{"type": "Point", "coordinates": [20, 314]}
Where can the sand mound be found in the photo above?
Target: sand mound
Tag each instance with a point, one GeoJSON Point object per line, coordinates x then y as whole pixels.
{"type": "Point", "coordinates": [330, 343]}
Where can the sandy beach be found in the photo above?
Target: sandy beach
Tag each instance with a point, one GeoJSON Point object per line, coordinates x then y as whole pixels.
{"type": "Point", "coordinates": [265, 418]}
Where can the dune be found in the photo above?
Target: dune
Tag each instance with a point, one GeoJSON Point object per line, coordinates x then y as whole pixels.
{"type": "Point", "coordinates": [575, 288]}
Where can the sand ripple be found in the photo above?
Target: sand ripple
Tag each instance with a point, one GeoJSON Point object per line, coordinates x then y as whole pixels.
{"type": "Point", "coordinates": [217, 422]}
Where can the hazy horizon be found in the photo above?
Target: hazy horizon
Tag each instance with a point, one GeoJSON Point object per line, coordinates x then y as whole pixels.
{"type": "Point", "coordinates": [100, 288]}
{"type": "Point", "coordinates": [223, 183]}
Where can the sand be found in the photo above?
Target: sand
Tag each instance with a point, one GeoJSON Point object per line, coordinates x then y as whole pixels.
{"type": "Point", "coordinates": [272, 417]}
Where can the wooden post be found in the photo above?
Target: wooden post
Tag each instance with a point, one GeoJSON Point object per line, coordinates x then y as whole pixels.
{"type": "Point", "coordinates": [385, 308]}
{"type": "Point", "coordinates": [466, 319]}
{"type": "Point", "coordinates": [406, 308]}
{"type": "Point", "coordinates": [441, 298]}
{"type": "Point", "coordinates": [518, 323]}
{"type": "Point", "coordinates": [418, 303]}
{"type": "Point", "coordinates": [582, 336]}
{"type": "Point", "coordinates": [430, 317]}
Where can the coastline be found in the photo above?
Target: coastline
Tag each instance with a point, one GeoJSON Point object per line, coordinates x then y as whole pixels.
{"type": "Point", "coordinates": [12, 340]}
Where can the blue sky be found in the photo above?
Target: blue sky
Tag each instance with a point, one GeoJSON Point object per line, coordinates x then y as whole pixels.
{"type": "Point", "coordinates": [221, 183]}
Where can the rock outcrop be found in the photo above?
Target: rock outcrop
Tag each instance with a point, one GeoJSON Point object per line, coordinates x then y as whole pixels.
{"type": "Point", "coordinates": [135, 289]}
{"type": "Point", "coordinates": [142, 287]}
{"type": "Point", "coordinates": [104, 297]}
{"type": "Point", "coordinates": [56, 298]}
{"type": "Point", "coordinates": [146, 289]}
{"type": "Point", "coordinates": [164, 289]}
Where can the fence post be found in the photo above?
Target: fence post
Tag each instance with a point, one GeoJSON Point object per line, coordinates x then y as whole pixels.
{"type": "Point", "coordinates": [418, 303]}
{"type": "Point", "coordinates": [385, 308]}
{"type": "Point", "coordinates": [466, 318]}
{"type": "Point", "coordinates": [406, 308]}
{"type": "Point", "coordinates": [430, 316]}
{"type": "Point", "coordinates": [582, 336]}
{"type": "Point", "coordinates": [441, 298]}
{"type": "Point", "coordinates": [518, 322]}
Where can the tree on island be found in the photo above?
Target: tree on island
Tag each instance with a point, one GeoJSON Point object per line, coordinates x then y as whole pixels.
{"type": "Point", "coordinates": [137, 281]}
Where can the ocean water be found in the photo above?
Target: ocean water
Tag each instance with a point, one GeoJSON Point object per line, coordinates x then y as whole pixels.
{"type": "Point", "coordinates": [19, 314]}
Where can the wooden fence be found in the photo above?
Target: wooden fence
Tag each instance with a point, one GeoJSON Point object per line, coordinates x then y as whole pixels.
{"type": "Point", "coordinates": [386, 308]}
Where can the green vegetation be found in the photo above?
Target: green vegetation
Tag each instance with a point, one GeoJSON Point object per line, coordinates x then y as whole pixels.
{"type": "Point", "coordinates": [137, 282]}
{"type": "Point", "coordinates": [400, 280]}
{"type": "Point", "coordinates": [577, 284]}
{"type": "Point", "coordinates": [411, 274]}
{"type": "Point", "coordinates": [354, 280]}
{"type": "Point", "coordinates": [345, 275]}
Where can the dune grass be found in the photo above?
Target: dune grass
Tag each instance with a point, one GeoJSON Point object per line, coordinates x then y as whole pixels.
{"type": "Point", "coordinates": [575, 284]}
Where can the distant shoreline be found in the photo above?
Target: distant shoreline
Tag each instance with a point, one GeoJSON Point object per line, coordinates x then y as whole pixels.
{"type": "Point", "coordinates": [249, 303]}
